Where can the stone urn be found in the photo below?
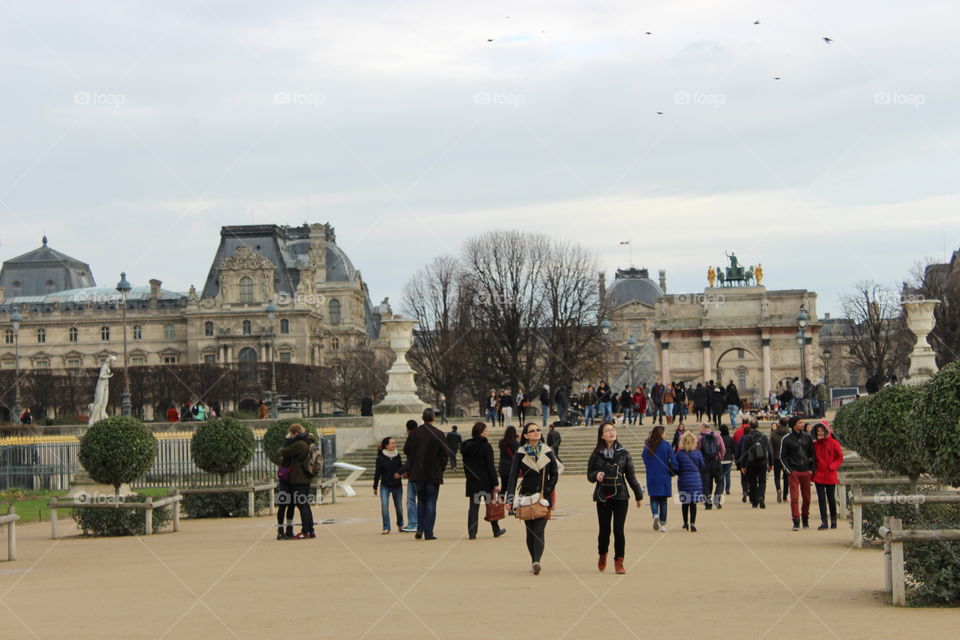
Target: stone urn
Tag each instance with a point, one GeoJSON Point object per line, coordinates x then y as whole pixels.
{"type": "Point", "coordinates": [401, 395]}
{"type": "Point", "coordinates": [920, 321]}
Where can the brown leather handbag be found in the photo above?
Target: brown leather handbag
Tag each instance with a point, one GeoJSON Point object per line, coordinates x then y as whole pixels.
{"type": "Point", "coordinates": [496, 509]}
{"type": "Point", "coordinates": [536, 510]}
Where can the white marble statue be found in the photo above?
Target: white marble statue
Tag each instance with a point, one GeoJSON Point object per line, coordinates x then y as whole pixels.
{"type": "Point", "coordinates": [98, 409]}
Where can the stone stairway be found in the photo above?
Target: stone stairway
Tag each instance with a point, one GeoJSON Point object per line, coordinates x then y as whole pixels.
{"type": "Point", "coordinates": [575, 448]}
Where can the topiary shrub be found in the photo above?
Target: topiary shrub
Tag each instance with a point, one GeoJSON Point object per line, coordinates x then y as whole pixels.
{"type": "Point", "coordinates": [222, 446]}
{"type": "Point", "coordinates": [117, 450]}
{"type": "Point", "coordinates": [889, 432]}
{"type": "Point", "coordinates": [276, 434]}
{"type": "Point", "coordinates": [121, 522]}
{"type": "Point", "coordinates": [222, 505]}
{"type": "Point", "coordinates": [938, 417]}
{"type": "Point", "coordinates": [848, 424]}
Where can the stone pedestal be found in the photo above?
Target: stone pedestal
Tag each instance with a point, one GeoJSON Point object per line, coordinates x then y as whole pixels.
{"type": "Point", "coordinates": [401, 398]}
{"type": "Point", "coordinates": [920, 321]}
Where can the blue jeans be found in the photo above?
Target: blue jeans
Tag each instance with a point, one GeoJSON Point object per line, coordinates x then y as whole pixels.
{"type": "Point", "coordinates": [733, 410]}
{"type": "Point", "coordinates": [545, 410]}
{"type": "Point", "coordinates": [427, 494]}
{"type": "Point", "coordinates": [589, 412]}
{"type": "Point", "coordinates": [606, 411]}
{"type": "Point", "coordinates": [628, 415]}
{"type": "Point", "coordinates": [385, 494]}
{"type": "Point", "coordinates": [492, 415]}
{"type": "Point", "coordinates": [727, 466]}
{"type": "Point", "coordinates": [412, 505]}
{"type": "Point", "coordinates": [658, 505]}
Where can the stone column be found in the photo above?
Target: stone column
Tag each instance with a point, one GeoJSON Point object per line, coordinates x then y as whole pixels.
{"type": "Point", "coordinates": [707, 357]}
{"type": "Point", "coordinates": [767, 382]}
{"type": "Point", "coordinates": [920, 321]}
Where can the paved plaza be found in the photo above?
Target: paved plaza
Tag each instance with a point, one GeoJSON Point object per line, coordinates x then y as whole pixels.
{"type": "Point", "coordinates": [744, 574]}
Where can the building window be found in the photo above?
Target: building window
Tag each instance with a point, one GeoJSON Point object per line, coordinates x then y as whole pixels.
{"type": "Point", "coordinates": [333, 311]}
{"type": "Point", "coordinates": [41, 335]}
{"type": "Point", "coordinates": [742, 379]}
{"type": "Point", "coordinates": [42, 364]}
{"type": "Point", "coordinates": [854, 378]}
{"type": "Point", "coordinates": [335, 344]}
{"type": "Point", "coordinates": [740, 354]}
{"type": "Point", "coordinates": [247, 354]}
{"type": "Point", "coordinates": [8, 336]}
{"type": "Point", "coordinates": [9, 364]}
{"type": "Point", "coordinates": [247, 328]}
{"type": "Point", "coordinates": [286, 356]}
{"type": "Point", "coordinates": [138, 360]}
{"type": "Point", "coordinates": [169, 359]}
{"type": "Point", "coordinates": [284, 325]}
{"type": "Point", "coordinates": [246, 290]}
{"type": "Point", "coordinates": [137, 332]}
{"type": "Point", "coordinates": [73, 363]}
{"type": "Point", "coordinates": [168, 332]}
{"type": "Point", "coordinates": [73, 334]}
{"type": "Point", "coordinates": [105, 333]}
{"type": "Point", "coordinates": [209, 358]}
{"type": "Point", "coordinates": [208, 328]}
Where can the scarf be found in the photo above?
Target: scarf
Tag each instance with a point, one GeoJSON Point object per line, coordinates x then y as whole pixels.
{"type": "Point", "coordinates": [390, 454]}
{"type": "Point", "coordinates": [609, 453]}
{"type": "Point", "coordinates": [533, 452]}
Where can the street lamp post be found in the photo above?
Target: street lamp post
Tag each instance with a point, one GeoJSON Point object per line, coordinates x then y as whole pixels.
{"type": "Point", "coordinates": [15, 319]}
{"type": "Point", "coordinates": [827, 354]}
{"type": "Point", "coordinates": [271, 316]}
{"type": "Point", "coordinates": [631, 350]}
{"type": "Point", "coordinates": [124, 288]}
{"type": "Point", "coordinates": [605, 330]}
{"type": "Point", "coordinates": [802, 320]}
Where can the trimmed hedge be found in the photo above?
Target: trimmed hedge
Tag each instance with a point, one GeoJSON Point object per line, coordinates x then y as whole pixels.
{"type": "Point", "coordinates": [222, 446]}
{"type": "Point", "coordinates": [938, 416]}
{"type": "Point", "coordinates": [222, 505]}
{"type": "Point", "coordinates": [121, 522]}
{"type": "Point", "coordinates": [888, 431]}
{"type": "Point", "coordinates": [117, 450]}
{"type": "Point", "coordinates": [277, 433]}
{"type": "Point", "coordinates": [847, 424]}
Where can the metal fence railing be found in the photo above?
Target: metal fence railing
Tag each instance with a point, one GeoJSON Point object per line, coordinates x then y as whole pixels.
{"type": "Point", "coordinates": [40, 464]}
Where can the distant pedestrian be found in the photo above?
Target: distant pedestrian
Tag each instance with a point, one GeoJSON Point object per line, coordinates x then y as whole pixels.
{"type": "Point", "coordinates": [454, 440]}
{"type": "Point", "coordinates": [829, 457]}
{"type": "Point", "coordinates": [754, 459]}
{"type": "Point", "coordinates": [493, 402]}
{"type": "Point", "coordinates": [562, 398]}
{"type": "Point", "coordinates": [426, 453]}
{"type": "Point", "coordinates": [411, 490]}
{"type": "Point", "coordinates": [729, 452]}
{"type": "Point", "coordinates": [717, 402]}
{"type": "Point", "coordinates": [689, 480]}
{"type": "Point", "coordinates": [660, 465]}
{"type": "Point", "coordinates": [441, 409]}
{"type": "Point", "coordinates": [668, 398]}
{"type": "Point", "coordinates": [523, 403]}
{"type": "Point", "coordinates": [700, 401]}
{"type": "Point", "coordinates": [589, 401]}
{"type": "Point", "coordinates": [545, 404]}
{"type": "Point", "coordinates": [508, 446]}
{"type": "Point", "coordinates": [639, 405]}
{"type": "Point", "coordinates": [779, 430]}
{"type": "Point", "coordinates": [713, 450]}
{"type": "Point", "coordinates": [611, 469]}
{"type": "Point", "coordinates": [733, 403]}
{"type": "Point", "coordinates": [292, 456]}
{"type": "Point", "coordinates": [506, 407]}
{"type": "Point", "coordinates": [799, 460]}
{"type": "Point", "coordinates": [482, 482]}
{"type": "Point", "coordinates": [533, 478]}
{"type": "Point", "coordinates": [387, 481]}
{"type": "Point", "coordinates": [679, 433]}
{"type": "Point", "coordinates": [554, 439]}
{"type": "Point", "coordinates": [263, 411]}
{"type": "Point", "coordinates": [173, 415]}
{"type": "Point", "coordinates": [199, 411]}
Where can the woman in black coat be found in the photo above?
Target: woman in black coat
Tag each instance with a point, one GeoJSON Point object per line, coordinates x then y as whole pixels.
{"type": "Point", "coordinates": [611, 468]}
{"type": "Point", "coordinates": [508, 451]}
{"type": "Point", "coordinates": [533, 474]}
{"type": "Point", "coordinates": [481, 477]}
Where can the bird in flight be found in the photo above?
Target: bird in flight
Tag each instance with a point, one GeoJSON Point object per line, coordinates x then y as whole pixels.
{"type": "Point", "coordinates": [756, 22]}
{"type": "Point", "coordinates": [489, 39]}
{"type": "Point", "coordinates": [659, 113]}
{"type": "Point", "coordinates": [827, 40]}
{"type": "Point", "coordinates": [776, 77]}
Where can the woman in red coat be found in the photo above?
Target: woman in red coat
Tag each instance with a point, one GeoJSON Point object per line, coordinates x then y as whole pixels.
{"type": "Point", "coordinates": [829, 457]}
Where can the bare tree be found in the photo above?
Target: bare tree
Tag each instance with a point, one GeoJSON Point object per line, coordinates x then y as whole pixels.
{"type": "Point", "coordinates": [356, 373]}
{"type": "Point", "coordinates": [878, 338]}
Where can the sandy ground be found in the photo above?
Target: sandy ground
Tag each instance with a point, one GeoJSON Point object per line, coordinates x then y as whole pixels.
{"type": "Point", "coordinates": [744, 574]}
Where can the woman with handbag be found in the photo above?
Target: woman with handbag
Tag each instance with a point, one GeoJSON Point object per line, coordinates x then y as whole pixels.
{"type": "Point", "coordinates": [660, 465]}
{"type": "Point", "coordinates": [533, 477]}
{"type": "Point", "coordinates": [611, 468]}
{"type": "Point", "coordinates": [482, 481]}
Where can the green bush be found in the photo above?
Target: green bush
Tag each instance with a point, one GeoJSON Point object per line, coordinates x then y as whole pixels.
{"type": "Point", "coordinates": [121, 522]}
{"type": "Point", "coordinates": [888, 431]}
{"type": "Point", "coordinates": [848, 424]}
{"type": "Point", "coordinates": [222, 446]}
{"type": "Point", "coordinates": [934, 570]}
{"type": "Point", "coordinates": [222, 505]}
{"type": "Point", "coordinates": [276, 434]}
{"type": "Point", "coordinates": [117, 450]}
{"type": "Point", "coordinates": [938, 416]}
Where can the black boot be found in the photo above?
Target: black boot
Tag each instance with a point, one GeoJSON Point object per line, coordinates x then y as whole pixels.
{"type": "Point", "coordinates": [806, 522]}
{"type": "Point", "coordinates": [796, 524]}
{"type": "Point", "coordinates": [833, 523]}
{"type": "Point", "coordinates": [823, 525]}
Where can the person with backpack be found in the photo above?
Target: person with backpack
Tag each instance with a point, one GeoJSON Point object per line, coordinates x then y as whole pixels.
{"type": "Point", "coordinates": [730, 449]}
{"type": "Point", "coordinates": [755, 458]}
{"type": "Point", "coordinates": [799, 460]}
{"type": "Point", "coordinates": [387, 474]}
{"type": "Point", "coordinates": [296, 457]}
{"type": "Point", "coordinates": [611, 469]}
{"type": "Point", "coordinates": [660, 465]}
{"type": "Point", "coordinates": [829, 457]}
{"type": "Point", "coordinates": [777, 434]}
{"type": "Point", "coordinates": [713, 450]}
{"type": "Point", "coordinates": [426, 452]}
{"type": "Point", "coordinates": [689, 480]}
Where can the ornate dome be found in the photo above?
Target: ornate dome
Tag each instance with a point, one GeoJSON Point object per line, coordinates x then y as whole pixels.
{"type": "Point", "coordinates": [631, 285]}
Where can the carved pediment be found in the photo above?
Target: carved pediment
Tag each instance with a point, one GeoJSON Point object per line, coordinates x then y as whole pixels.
{"type": "Point", "coordinates": [245, 259]}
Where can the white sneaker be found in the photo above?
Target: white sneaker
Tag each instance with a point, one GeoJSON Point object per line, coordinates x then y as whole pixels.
{"type": "Point", "coordinates": [663, 527]}
{"type": "Point", "coordinates": [656, 523]}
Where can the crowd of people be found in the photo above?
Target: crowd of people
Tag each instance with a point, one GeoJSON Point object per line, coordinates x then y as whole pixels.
{"type": "Point", "coordinates": [523, 481]}
{"type": "Point", "coordinates": [196, 411]}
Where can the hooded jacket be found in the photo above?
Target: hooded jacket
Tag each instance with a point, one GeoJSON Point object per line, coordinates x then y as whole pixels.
{"type": "Point", "coordinates": [829, 457]}
{"type": "Point", "coordinates": [294, 454]}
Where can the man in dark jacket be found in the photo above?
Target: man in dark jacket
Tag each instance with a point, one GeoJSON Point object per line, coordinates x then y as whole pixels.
{"type": "Point", "coordinates": [776, 437]}
{"type": "Point", "coordinates": [718, 401]}
{"type": "Point", "coordinates": [454, 440]}
{"type": "Point", "coordinates": [426, 451]}
{"type": "Point", "coordinates": [553, 440]}
{"type": "Point", "coordinates": [411, 488]}
{"type": "Point", "coordinates": [755, 459]}
{"type": "Point", "coordinates": [798, 459]}
{"type": "Point", "coordinates": [656, 399]}
{"type": "Point", "coordinates": [562, 398]}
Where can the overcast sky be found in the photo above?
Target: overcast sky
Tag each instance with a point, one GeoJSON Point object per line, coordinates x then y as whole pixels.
{"type": "Point", "coordinates": [132, 132]}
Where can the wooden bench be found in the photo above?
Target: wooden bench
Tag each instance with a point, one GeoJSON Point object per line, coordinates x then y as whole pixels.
{"type": "Point", "coordinates": [10, 520]}
{"type": "Point", "coordinates": [894, 537]}
{"type": "Point", "coordinates": [147, 508]}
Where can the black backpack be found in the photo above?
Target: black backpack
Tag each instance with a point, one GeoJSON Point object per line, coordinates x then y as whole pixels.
{"type": "Point", "coordinates": [709, 447]}
{"type": "Point", "coordinates": [757, 450]}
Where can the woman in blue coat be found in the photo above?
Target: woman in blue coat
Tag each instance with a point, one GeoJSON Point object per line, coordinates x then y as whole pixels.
{"type": "Point", "coordinates": [689, 479]}
{"type": "Point", "coordinates": [659, 460]}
